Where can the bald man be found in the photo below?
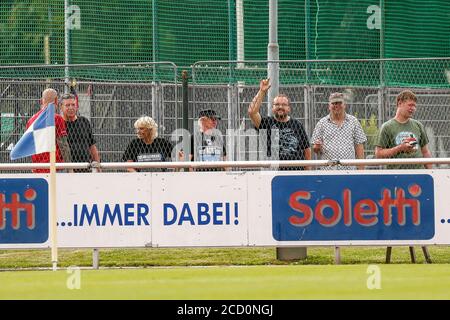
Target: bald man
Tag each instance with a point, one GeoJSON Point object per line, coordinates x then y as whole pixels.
{"type": "Point", "coordinates": [62, 146]}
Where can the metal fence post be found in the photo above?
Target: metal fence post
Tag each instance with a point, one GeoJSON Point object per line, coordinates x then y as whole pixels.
{"type": "Point", "coordinates": [185, 112]}
{"type": "Point", "coordinates": [95, 259]}
{"type": "Point", "coordinates": [309, 109]}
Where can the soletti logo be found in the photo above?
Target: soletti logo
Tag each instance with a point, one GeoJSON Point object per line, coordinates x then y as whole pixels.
{"type": "Point", "coordinates": [364, 212]}
{"type": "Point", "coordinates": [360, 207]}
{"type": "Point", "coordinates": [23, 210]}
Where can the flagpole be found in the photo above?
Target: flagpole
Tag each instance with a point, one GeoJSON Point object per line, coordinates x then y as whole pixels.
{"type": "Point", "coordinates": [40, 135]}
{"type": "Point", "coordinates": [53, 217]}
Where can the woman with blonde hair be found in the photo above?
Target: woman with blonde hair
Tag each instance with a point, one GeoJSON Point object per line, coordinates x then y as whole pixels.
{"type": "Point", "coordinates": [147, 147]}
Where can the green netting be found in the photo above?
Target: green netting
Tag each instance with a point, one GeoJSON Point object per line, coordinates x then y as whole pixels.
{"type": "Point", "coordinates": [183, 32]}
{"type": "Point", "coordinates": [24, 27]}
{"type": "Point", "coordinates": [339, 31]}
{"type": "Point", "coordinates": [162, 72]}
{"type": "Point", "coordinates": [416, 28]}
{"type": "Point", "coordinates": [355, 73]}
{"type": "Point", "coordinates": [192, 30]}
{"type": "Point", "coordinates": [112, 31]}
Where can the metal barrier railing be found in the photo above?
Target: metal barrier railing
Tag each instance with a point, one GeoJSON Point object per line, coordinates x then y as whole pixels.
{"type": "Point", "coordinates": [226, 164]}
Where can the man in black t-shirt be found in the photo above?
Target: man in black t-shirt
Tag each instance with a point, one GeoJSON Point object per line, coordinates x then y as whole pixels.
{"type": "Point", "coordinates": [79, 133]}
{"type": "Point", "coordinates": [293, 140]}
{"type": "Point", "coordinates": [147, 147]}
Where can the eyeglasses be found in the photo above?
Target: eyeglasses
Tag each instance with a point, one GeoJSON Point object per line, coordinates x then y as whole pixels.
{"type": "Point", "coordinates": [281, 105]}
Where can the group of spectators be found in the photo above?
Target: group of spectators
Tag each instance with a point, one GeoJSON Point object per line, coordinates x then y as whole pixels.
{"type": "Point", "coordinates": [336, 136]}
{"type": "Point", "coordinates": [339, 135]}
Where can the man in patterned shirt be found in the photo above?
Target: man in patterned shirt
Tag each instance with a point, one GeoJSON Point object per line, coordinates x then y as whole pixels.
{"type": "Point", "coordinates": [338, 135]}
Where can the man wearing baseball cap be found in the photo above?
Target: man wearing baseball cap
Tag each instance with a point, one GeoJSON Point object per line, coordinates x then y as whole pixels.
{"type": "Point", "coordinates": [338, 135]}
{"type": "Point", "coordinates": [208, 113]}
{"type": "Point", "coordinates": [207, 142]}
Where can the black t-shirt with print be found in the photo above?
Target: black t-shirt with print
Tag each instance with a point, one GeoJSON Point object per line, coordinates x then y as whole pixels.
{"type": "Point", "coordinates": [159, 150]}
{"type": "Point", "coordinates": [293, 139]}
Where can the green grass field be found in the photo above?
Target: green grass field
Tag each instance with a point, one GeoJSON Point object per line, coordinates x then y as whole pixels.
{"type": "Point", "coordinates": [224, 273]}
{"type": "Point", "coordinates": [163, 257]}
{"type": "Point", "coordinates": [249, 282]}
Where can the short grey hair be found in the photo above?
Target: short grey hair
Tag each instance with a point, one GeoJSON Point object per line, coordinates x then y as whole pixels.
{"type": "Point", "coordinates": [149, 123]}
{"type": "Point", "coordinates": [67, 96]}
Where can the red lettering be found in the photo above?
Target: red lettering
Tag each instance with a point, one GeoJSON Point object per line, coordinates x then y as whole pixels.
{"type": "Point", "coordinates": [364, 208]}
{"type": "Point", "coordinates": [2, 211]}
{"type": "Point", "coordinates": [306, 210]}
{"type": "Point", "coordinates": [15, 207]}
{"type": "Point", "coordinates": [328, 212]}
{"type": "Point", "coordinates": [347, 207]}
{"type": "Point", "coordinates": [402, 203]}
{"type": "Point", "coordinates": [387, 203]}
{"type": "Point", "coordinates": [320, 216]}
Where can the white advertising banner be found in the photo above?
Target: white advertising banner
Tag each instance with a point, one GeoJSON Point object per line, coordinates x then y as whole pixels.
{"type": "Point", "coordinates": [258, 208]}
{"type": "Point", "coordinates": [104, 210]}
{"type": "Point", "coordinates": [199, 209]}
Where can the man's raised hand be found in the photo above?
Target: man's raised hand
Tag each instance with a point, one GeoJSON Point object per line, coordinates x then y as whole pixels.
{"type": "Point", "coordinates": [264, 85]}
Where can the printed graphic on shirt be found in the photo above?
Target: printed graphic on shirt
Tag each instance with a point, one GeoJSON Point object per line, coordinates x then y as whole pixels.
{"type": "Point", "coordinates": [408, 136]}
{"type": "Point", "coordinates": [152, 157]}
{"type": "Point", "coordinates": [288, 141]}
{"type": "Point", "coordinates": [208, 147]}
{"type": "Point", "coordinates": [210, 153]}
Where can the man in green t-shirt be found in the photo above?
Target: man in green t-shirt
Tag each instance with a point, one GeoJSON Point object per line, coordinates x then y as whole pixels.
{"type": "Point", "coordinates": [402, 136]}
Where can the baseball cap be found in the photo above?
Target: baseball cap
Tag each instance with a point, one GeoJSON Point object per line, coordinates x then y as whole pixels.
{"type": "Point", "coordinates": [336, 97]}
{"type": "Point", "coordinates": [208, 113]}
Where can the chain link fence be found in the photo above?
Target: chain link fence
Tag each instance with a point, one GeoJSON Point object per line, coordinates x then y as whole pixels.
{"type": "Point", "coordinates": [122, 93]}
{"type": "Point", "coordinates": [370, 88]}
{"type": "Point", "coordinates": [111, 103]}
